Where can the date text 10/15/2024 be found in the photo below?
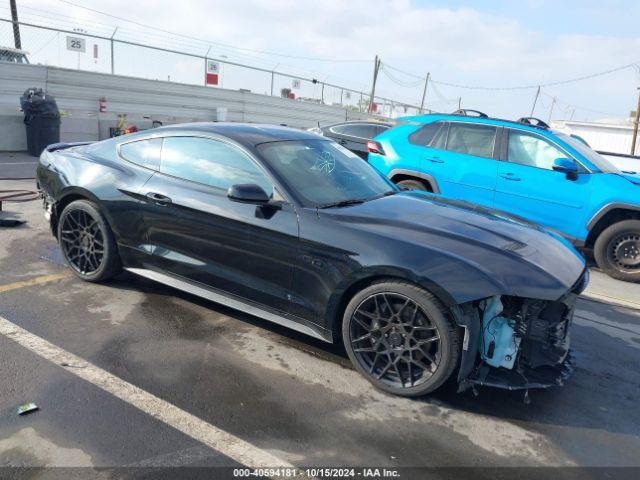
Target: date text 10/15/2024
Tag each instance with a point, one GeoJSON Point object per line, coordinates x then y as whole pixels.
{"type": "Point", "coordinates": [316, 473]}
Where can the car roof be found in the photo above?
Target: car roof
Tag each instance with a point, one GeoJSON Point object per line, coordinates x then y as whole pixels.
{"type": "Point", "coordinates": [360, 122]}
{"type": "Point", "coordinates": [432, 117]}
{"type": "Point", "coordinates": [249, 134]}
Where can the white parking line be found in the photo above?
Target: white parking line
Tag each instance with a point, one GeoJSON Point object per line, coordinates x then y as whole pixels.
{"type": "Point", "coordinates": [196, 428]}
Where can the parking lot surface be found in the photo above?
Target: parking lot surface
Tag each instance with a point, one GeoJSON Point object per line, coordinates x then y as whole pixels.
{"type": "Point", "coordinates": [17, 165]}
{"type": "Point", "coordinates": [156, 377]}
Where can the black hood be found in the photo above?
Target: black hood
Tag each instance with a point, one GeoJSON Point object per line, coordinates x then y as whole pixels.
{"type": "Point", "coordinates": [517, 257]}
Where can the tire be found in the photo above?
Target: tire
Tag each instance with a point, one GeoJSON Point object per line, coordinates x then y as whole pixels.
{"type": "Point", "coordinates": [410, 184]}
{"type": "Point", "coordinates": [398, 338]}
{"type": "Point", "coordinates": [87, 242]}
{"type": "Point", "coordinates": [617, 250]}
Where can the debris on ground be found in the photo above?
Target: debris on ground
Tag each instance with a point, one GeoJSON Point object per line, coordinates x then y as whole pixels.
{"type": "Point", "coordinates": [27, 408]}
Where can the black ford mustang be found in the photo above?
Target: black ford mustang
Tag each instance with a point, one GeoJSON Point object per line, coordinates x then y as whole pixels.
{"type": "Point", "coordinates": [289, 227]}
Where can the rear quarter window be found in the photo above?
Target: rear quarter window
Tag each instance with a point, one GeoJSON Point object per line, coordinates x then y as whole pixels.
{"type": "Point", "coordinates": [105, 149]}
{"type": "Point", "coordinates": [425, 136]}
{"type": "Point", "coordinates": [145, 153]}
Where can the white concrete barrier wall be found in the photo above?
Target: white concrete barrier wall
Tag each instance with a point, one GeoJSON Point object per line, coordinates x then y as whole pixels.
{"type": "Point", "coordinates": [78, 92]}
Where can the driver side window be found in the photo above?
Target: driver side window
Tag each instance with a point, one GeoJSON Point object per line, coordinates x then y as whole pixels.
{"type": "Point", "coordinates": [532, 151]}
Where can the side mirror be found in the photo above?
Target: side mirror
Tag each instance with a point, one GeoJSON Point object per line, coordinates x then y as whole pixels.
{"type": "Point", "coordinates": [567, 167]}
{"type": "Point", "coordinates": [248, 193]}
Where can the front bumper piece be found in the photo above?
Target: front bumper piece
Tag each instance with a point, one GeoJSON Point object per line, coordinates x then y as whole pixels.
{"type": "Point", "coordinates": [541, 335]}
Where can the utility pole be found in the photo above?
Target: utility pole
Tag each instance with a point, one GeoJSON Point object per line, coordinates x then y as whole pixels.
{"type": "Point", "coordinates": [424, 92]}
{"type": "Point", "coordinates": [553, 103]}
{"type": "Point", "coordinates": [16, 25]}
{"type": "Point", "coordinates": [635, 126]}
{"type": "Point", "coordinates": [376, 68]}
{"type": "Point", "coordinates": [459, 103]}
{"type": "Point", "coordinates": [535, 100]}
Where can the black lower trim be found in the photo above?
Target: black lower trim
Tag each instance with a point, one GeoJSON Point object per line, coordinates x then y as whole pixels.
{"type": "Point", "coordinates": [290, 321]}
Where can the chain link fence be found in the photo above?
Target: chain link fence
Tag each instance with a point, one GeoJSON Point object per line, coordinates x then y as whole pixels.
{"type": "Point", "coordinates": [161, 58]}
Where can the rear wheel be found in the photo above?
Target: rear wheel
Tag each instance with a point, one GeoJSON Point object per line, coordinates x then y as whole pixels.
{"type": "Point", "coordinates": [87, 242]}
{"type": "Point", "coordinates": [410, 184]}
{"type": "Point", "coordinates": [400, 338]}
{"type": "Point", "coordinates": [617, 250]}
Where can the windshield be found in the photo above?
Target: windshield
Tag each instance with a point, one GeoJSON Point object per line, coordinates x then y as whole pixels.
{"type": "Point", "coordinates": [323, 173]}
{"type": "Point", "coordinates": [594, 157]}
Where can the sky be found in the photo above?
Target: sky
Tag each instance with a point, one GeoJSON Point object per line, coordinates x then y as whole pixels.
{"type": "Point", "coordinates": [483, 43]}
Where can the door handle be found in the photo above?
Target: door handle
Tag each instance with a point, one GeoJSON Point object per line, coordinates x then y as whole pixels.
{"type": "Point", "coordinates": [158, 199]}
{"type": "Point", "coordinates": [510, 176]}
{"type": "Point", "coordinates": [435, 159]}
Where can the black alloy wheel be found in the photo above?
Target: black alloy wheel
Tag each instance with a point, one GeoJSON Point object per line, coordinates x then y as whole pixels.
{"type": "Point", "coordinates": [87, 242]}
{"type": "Point", "coordinates": [617, 250]}
{"type": "Point", "coordinates": [398, 335]}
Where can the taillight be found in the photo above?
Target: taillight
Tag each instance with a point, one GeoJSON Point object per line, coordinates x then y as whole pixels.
{"type": "Point", "coordinates": [374, 147]}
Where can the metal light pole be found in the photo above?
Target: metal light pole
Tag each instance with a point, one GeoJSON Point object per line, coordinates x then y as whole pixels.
{"type": "Point", "coordinates": [273, 72]}
{"type": "Point", "coordinates": [111, 40]}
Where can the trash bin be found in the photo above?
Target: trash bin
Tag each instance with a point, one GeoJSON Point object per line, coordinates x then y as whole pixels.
{"type": "Point", "coordinates": [42, 120]}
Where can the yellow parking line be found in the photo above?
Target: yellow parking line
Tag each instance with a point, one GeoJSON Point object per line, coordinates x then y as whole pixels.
{"type": "Point", "coordinates": [34, 281]}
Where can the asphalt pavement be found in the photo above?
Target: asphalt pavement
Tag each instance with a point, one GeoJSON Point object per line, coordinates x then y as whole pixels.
{"type": "Point", "coordinates": [132, 373]}
{"type": "Point", "coordinates": [17, 165]}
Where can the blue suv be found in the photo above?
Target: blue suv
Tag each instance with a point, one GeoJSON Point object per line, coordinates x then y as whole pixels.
{"type": "Point", "coordinates": [523, 168]}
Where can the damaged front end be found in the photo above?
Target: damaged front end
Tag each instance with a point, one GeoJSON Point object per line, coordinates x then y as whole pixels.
{"type": "Point", "coordinates": [518, 343]}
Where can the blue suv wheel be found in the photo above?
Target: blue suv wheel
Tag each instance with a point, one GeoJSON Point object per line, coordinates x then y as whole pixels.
{"type": "Point", "coordinates": [617, 250]}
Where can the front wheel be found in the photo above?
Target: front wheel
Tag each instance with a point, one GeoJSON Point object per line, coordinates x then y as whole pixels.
{"type": "Point", "coordinates": [87, 242]}
{"type": "Point", "coordinates": [400, 338]}
{"type": "Point", "coordinates": [617, 250]}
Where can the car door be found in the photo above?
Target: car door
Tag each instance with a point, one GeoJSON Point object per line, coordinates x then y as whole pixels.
{"type": "Point", "coordinates": [528, 186]}
{"type": "Point", "coordinates": [469, 167]}
{"type": "Point", "coordinates": [422, 151]}
{"type": "Point", "coordinates": [196, 231]}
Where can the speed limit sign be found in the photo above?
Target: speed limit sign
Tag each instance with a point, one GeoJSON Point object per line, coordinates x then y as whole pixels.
{"type": "Point", "coordinates": [76, 44]}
